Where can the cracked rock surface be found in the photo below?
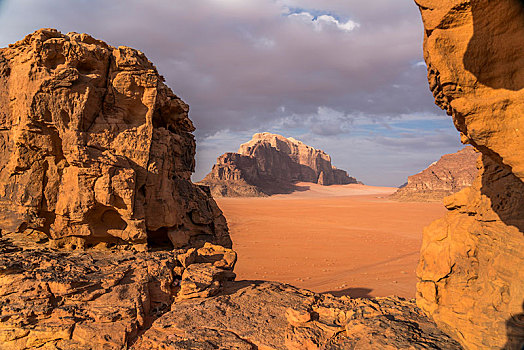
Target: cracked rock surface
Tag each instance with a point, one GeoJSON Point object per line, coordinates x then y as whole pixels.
{"type": "Point", "coordinates": [95, 299]}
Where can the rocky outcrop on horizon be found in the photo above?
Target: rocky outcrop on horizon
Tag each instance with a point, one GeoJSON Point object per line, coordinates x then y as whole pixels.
{"type": "Point", "coordinates": [471, 280]}
{"type": "Point", "coordinates": [95, 149]}
{"type": "Point", "coordinates": [270, 164]}
{"type": "Point", "coordinates": [450, 174]}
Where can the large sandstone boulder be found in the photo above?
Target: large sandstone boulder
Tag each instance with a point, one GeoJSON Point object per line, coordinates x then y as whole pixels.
{"type": "Point", "coordinates": [95, 149]}
{"type": "Point", "coordinates": [451, 173]}
{"type": "Point", "coordinates": [471, 275]}
{"type": "Point", "coordinates": [270, 164]}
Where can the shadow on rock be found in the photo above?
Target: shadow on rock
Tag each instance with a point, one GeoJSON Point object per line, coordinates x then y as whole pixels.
{"type": "Point", "coordinates": [515, 332]}
{"type": "Point", "coordinates": [489, 53]}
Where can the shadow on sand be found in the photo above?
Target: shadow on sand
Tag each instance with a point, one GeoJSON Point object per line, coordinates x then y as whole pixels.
{"type": "Point", "coordinates": [351, 292]}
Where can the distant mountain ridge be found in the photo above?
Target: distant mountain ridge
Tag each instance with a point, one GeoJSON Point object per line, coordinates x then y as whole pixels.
{"type": "Point", "coordinates": [269, 164]}
{"type": "Point", "coordinates": [451, 173]}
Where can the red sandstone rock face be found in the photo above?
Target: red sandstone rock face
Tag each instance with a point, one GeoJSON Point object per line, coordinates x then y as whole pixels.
{"type": "Point", "coordinates": [448, 175]}
{"type": "Point", "coordinates": [95, 149]}
{"type": "Point", "coordinates": [471, 279]}
{"type": "Point", "coordinates": [270, 164]}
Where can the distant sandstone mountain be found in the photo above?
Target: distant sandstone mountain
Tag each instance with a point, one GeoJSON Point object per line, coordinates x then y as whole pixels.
{"type": "Point", "coordinates": [448, 175]}
{"type": "Point", "coordinates": [271, 164]}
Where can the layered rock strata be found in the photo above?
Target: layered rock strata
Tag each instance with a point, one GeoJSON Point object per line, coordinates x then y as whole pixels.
{"type": "Point", "coordinates": [451, 173]}
{"type": "Point", "coordinates": [95, 149]}
{"type": "Point", "coordinates": [270, 164]}
{"type": "Point", "coordinates": [471, 279]}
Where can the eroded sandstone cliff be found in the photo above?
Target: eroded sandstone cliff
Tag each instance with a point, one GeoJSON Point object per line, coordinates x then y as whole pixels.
{"type": "Point", "coordinates": [270, 164]}
{"type": "Point", "coordinates": [471, 276]}
{"type": "Point", "coordinates": [92, 137]}
{"type": "Point", "coordinates": [95, 149]}
{"type": "Point", "coordinates": [451, 173]}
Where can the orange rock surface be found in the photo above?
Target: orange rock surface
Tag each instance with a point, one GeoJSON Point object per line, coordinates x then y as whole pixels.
{"type": "Point", "coordinates": [98, 299]}
{"type": "Point", "coordinates": [95, 149]}
{"type": "Point", "coordinates": [272, 316]}
{"type": "Point", "coordinates": [471, 279]}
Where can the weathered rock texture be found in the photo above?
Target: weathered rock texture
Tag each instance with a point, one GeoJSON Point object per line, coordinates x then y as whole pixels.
{"type": "Point", "coordinates": [448, 175]}
{"type": "Point", "coordinates": [96, 299]}
{"type": "Point", "coordinates": [271, 164]}
{"type": "Point", "coordinates": [182, 299]}
{"type": "Point", "coordinates": [95, 149]}
{"type": "Point", "coordinates": [471, 276]}
{"type": "Point", "coordinates": [264, 315]}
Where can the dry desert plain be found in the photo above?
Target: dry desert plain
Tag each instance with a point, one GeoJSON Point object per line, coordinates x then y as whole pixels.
{"type": "Point", "coordinates": [343, 239]}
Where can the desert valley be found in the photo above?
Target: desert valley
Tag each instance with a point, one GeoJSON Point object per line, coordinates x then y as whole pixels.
{"type": "Point", "coordinates": [334, 233]}
{"type": "Point", "coordinates": [108, 242]}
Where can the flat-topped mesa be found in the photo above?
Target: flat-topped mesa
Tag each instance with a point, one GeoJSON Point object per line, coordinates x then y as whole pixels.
{"type": "Point", "coordinates": [471, 279]}
{"type": "Point", "coordinates": [450, 174]}
{"type": "Point", "coordinates": [270, 164]}
{"type": "Point", "coordinates": [95, 149]}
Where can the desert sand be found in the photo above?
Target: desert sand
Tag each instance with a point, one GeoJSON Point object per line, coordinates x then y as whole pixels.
{"type": "Point", "coordinates": [343, 239]}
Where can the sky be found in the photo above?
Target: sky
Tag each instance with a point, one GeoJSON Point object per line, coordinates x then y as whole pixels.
{"type": "Point", "coordinates": [345, 76]}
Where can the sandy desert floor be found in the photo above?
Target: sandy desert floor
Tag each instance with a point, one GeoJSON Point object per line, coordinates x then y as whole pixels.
{"type": "Point", "coordinates": [343, 239]}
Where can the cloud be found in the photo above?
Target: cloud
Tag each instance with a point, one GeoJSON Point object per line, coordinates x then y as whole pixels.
{"type": "Point", "coordinates": [296, 66]}
{"type": "Point", "coordinates": [321, 22]}
{"type": "Point", "coordinates": [237, 62]}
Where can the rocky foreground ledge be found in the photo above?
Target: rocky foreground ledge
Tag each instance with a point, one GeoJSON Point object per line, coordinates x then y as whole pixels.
{"type": "Point", "coordinates": [184, 300]}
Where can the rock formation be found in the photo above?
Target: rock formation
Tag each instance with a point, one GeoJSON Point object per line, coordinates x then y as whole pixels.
{"type": "Point", "coordinates": [182, 300]}
{"type": "Point", "coordinates": [95, 149]}
{"type": "Point", "coordinates": [271, 164]}
{"type": "Point", "coordinates": [471, 279]}
{"type": "Point", "coordinates": [266, 315]}
{"type": "Point", "coordinates": [448, 175]}
{"type": "Point", "coordinates": [97, 300]}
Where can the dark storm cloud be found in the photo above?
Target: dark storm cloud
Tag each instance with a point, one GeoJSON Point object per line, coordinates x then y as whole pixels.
{"type": "Point", "coordinates": [237, 62]}
{"type": "Point", "coordinates": [332, 72]}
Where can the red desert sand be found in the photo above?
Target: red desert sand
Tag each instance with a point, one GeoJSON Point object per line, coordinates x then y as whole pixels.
{"type": "Point", "coordinates": [342, 239]}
